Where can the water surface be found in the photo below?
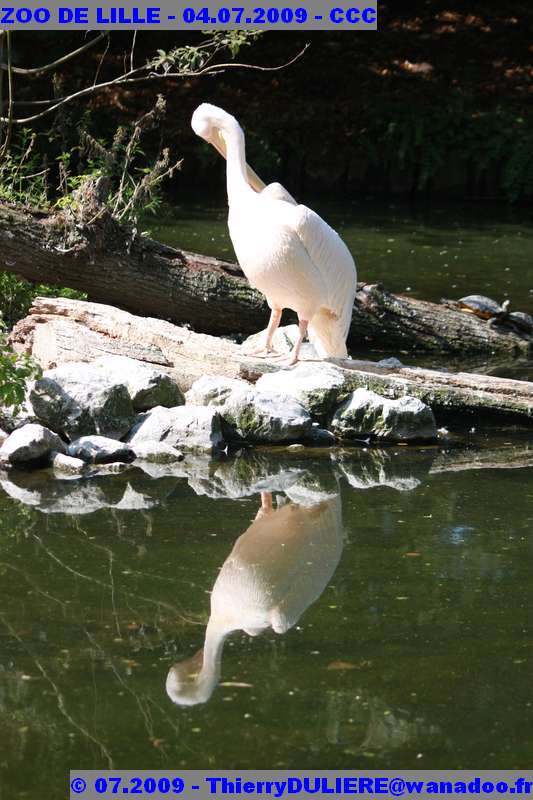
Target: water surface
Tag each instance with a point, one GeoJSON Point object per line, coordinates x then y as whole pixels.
{"type": "Point", "coordinates": [399, 582]}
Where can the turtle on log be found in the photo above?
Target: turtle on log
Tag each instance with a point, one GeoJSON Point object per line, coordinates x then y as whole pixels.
{"type": "Point", "coordinates": [484, 307]}
{"type": "Point", "coordinates": [496, 314]}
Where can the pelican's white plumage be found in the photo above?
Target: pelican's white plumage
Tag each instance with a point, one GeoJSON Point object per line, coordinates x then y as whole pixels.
{"type": "Point", "coordinates": [277, 568]}
{"type": "Point", "coordinates": [285, 250]}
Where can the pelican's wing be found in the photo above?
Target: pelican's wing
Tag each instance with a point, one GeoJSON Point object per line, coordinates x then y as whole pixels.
{"type": "Point", "coordinates": [330, 256]}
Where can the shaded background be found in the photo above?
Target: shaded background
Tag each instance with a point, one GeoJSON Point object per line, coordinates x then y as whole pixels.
{"type": "Point", "coordinates": [436, 104]}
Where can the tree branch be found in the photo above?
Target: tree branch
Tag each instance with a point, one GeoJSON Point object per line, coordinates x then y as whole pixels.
{"type": "Point", "coordinates": [134, 76]}
{"type": "Point", "coordinates": [9, 119]}
{"type": "Point", "coordinates": [37, 71]}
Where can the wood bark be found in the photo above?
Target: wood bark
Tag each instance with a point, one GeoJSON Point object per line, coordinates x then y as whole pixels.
{"type": "Point", "coordinates": [60, 330]}
{"type": "Point", "coordinates": [89, 251]}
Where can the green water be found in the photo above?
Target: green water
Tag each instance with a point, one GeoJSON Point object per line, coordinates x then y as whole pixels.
{"type": "Point", "coordinates": [404, 578]}
{"type": "Point", "coordinates": [446, 252]}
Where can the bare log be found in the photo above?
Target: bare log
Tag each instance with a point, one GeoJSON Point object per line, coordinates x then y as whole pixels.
{"type": "Point", "coordinates": [92, 253]}
{"type": "Point", "coordinates": [60, 330]}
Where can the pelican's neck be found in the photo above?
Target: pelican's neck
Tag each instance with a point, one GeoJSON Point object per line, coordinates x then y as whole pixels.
{"type": "Point", "coordinates": [209, 675]}
{"type": "Point", "coordinates": [236, 178]}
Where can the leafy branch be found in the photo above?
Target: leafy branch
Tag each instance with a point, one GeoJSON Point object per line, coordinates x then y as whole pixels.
{"type": "Point", "coordinates": [183, 62]}
{"type": "Point", "coordinates": [15, 371]}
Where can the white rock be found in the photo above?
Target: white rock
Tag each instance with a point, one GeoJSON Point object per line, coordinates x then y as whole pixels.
{"type": "Point", "coordinates": [101, 450]}
{"type": "Point", "coordinates": [320, 437]}
{"type": "Point", "coordinates": [266, 417]}
{"type": "Point", "coordinates": [30, 443]}
{"type": "Point", "coordinates": [157, 453]}
{"type": "Point", "coordinates": [316, 386]}
{"type": "Point", "coordinates": [195, 428]}
{"type": "Point", "coordinates": [81, 399]}
{"type": "Point", "coordinates": [10, 421]}
{"type": "Point", "coordinates": [366, 413]}
{"type": "Point", "coordinates": [148, 387]}
{"type": "Point", "coordinates": [283, 342]}
{"type": "Point", "coordinates": [390, 363]}
{"type": "Point", "coordinates": [214, 390]}
{"type": "Point", "coordinates": [66, 464]}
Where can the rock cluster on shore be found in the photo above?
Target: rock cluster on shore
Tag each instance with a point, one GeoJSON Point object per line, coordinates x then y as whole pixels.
{"type": "Point", "coordinates": [117, 410]}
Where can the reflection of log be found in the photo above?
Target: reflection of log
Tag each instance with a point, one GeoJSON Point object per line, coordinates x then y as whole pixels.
{"type": "Point", "coordinates": [146, 277]}
{"type": "Point", "coordinates": [472, 459]}
{"type": "Point", "coordinates": [59, 330]}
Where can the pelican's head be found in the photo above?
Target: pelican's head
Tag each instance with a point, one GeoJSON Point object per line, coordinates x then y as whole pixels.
{"type": "Point", "coordinates": [185, 684]}
{"type": "Point", "coordinates": [214, 125]}
{"type": "Point", "coordinates": [208, 120]}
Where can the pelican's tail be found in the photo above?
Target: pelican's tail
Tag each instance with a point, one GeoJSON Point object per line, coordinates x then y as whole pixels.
{"type": "Point", "coordinates": [328, 332]}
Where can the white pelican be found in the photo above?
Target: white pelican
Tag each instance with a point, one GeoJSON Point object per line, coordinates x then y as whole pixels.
{"type": "Point", "coordinates": [277, 568]}
{"type": "Point", "coordinates": [285, 250]}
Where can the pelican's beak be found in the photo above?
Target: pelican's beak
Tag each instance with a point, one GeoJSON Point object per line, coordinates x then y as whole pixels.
{"type": "Point", "coordinates": [219, 143]}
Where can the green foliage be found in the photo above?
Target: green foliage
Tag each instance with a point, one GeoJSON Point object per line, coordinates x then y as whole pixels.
{"type": "Point", "coordinates": [23, 172]}
{"type": "Point", "coordinates": [15, 371]}
{"type": "Point", "coordinates": [16, 296]}
{"type": "Point", "coordinates": [428, 141]}
{"type": "Point", "coordinates": [134, 180]}
{"type": "Point", "coordinates": [189, 58]}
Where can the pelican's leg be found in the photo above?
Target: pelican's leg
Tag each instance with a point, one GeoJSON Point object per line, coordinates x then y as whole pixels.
{"type": "Point", "coordinates": [267, 349]}
{"type": "Point", "coordinates": [294, 355]}
{"type": "Point", "coordinates": [266, 505]}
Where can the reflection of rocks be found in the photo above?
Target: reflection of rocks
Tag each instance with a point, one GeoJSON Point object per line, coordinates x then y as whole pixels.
{"type": "Point", "coordinates": [57, 497]}
{"type": "Point", "coordinates": [362, 725]}
{"type": "Point", "coordinates": [85, 495]}
{"type": "Point", "coordinates": [367, 468]}
{"type": "Point", "coordinates": [300, 480]}
{"type": "Point", "coordinates": [242, 477]}
{"type": "Point", "coordinates": [252, 473]}
{"type": "Point", "coordinates": [276, 570]}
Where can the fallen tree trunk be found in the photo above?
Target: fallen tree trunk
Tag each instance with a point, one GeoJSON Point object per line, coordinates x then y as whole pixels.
{"type": "Point", "coordinates": [137, 274]}
{"type": "Point", "coordinates": [60, 330]}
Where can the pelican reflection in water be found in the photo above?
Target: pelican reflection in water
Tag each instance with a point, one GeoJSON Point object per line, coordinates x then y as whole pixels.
{"type": "Point", "coordinates": [277, 568]}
